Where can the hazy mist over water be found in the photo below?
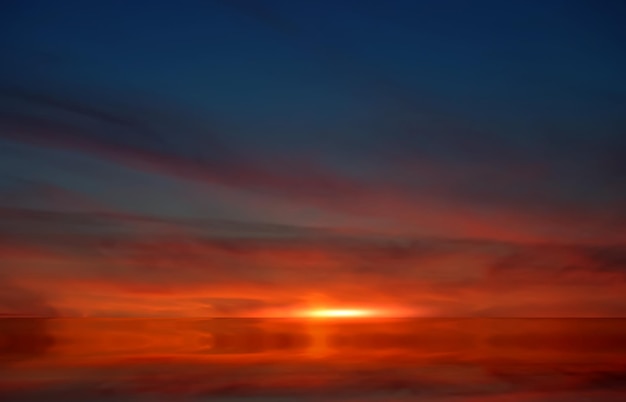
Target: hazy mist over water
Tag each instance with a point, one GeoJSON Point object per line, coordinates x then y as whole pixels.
{"type": "Point", "coordinates": [433, 359]}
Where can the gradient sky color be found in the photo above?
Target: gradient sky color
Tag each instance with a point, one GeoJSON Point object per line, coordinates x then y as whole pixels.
{"type": "Point", "coordinates": [242, 157]}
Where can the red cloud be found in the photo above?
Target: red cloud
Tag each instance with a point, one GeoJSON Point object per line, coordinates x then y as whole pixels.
{"type": "Point", "coordinates": [195, 277]}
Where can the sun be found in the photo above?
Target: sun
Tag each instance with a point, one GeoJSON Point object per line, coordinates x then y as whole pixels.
{"type": "Point", "coordinates": [340, 313]}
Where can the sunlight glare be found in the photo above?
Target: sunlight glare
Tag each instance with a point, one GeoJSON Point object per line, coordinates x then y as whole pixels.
{"type": "Point", "coordinates": [340, 313]}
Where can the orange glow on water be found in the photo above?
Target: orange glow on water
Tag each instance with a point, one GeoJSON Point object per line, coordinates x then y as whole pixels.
{"type": "Point", "coordinates": [169, 360]}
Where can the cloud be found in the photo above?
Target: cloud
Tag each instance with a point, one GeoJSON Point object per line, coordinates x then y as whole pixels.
{"type": "Point", "coordinates": [89, 119]}
{"type": "Point", "coordinates": [563, 264]}
{"type": "Point", "coordinates": [400, 209]}
{"type": "Point", "coordinates": [435, 208]}
{"type": "Point", "coordinates": [187, 274]}
{"type": "Point", "coordinates": [19, 301]}
{"type": "Point", "coordinates": [485, 193]}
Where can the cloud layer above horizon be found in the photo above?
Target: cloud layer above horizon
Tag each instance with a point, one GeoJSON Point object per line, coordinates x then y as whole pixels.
{"type": "Point", "coordinates": [244, 157]}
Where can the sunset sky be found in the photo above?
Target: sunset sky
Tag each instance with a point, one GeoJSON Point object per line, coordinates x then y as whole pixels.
{"type": "Point", "coordinates": [266, 158]}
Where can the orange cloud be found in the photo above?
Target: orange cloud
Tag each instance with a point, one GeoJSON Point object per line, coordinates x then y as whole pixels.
{"type": "Point", "coordinates": [196, 277]}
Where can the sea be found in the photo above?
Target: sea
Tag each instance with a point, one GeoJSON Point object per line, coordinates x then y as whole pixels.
{"type": "Point", "coordinates": [274, 359]}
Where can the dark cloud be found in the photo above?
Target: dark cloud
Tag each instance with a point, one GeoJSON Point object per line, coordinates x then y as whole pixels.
{"type": "Point", "coordinates": [17, 300]}
{"type": "Point", "coordinates": [562, 264]}
{"type": "Point", "coordinates": [278, 271]}
{"type": "Point", "coordinates": [82, 120]}
{"type": "Point", "coordinates": [610, 259]}
{"type": "Point", "coordinates": [23, 339]}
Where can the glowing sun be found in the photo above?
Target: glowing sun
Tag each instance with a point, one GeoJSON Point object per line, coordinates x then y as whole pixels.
{"type": "Point", "coordinates": [340, 313]}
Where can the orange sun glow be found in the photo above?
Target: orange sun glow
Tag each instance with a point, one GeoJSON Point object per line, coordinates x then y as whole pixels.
{"type": "Point", "coordinates": [340, 313]}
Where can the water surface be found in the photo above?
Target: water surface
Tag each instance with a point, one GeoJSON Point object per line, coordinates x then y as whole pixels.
{"type": "Point", "coordinates": [474, 360]}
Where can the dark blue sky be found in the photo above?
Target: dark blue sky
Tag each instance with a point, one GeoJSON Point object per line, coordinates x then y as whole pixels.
{"type": "Point", "coordinates": [491, 106]}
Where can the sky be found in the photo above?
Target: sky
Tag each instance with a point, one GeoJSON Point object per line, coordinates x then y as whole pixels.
{"type": "Point", "coordinates": [259, 157]}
